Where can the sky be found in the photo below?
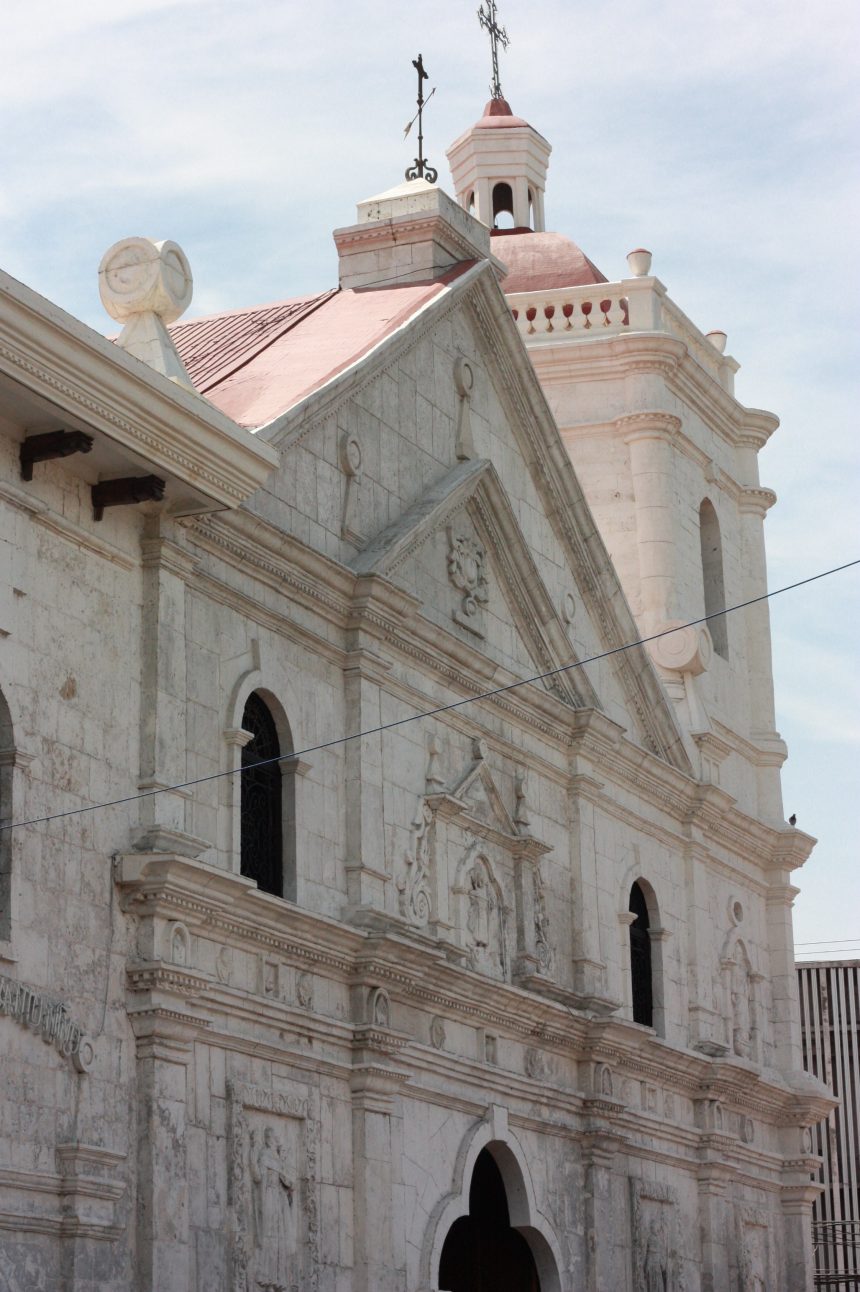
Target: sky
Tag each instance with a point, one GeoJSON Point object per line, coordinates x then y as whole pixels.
{"type": "Point", "coordinates": [725, 140]}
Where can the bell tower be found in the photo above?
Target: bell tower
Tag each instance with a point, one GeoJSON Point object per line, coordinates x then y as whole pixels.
{"type": "Point", "coordinates": [499, 170]}
{"type": "Point", "coordinates": [499, 166]}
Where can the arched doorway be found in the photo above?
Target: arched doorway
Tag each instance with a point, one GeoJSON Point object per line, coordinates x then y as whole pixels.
{"type": "Point", "coordinates": [482, 1253]}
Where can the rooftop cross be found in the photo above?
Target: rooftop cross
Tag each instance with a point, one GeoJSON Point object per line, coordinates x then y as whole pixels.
{"type": "Point", "coordinates": [498, 36]}
{"type": "Point", "coordinates": [421, 170]}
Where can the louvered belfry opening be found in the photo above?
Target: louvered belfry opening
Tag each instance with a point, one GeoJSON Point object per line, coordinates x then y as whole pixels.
{"type": "Point", "coordinates": [262, 813]}
{"type": "Point", "coordinates": [640, 960]}
{"type": "Point", "coordinates": [482, 1253]}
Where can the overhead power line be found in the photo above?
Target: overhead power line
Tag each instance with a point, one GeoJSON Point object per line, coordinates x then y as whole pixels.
{"type": "Point", "coordinates": [425, 713]}
{"type": "Point", "coordinates": [833, 943]}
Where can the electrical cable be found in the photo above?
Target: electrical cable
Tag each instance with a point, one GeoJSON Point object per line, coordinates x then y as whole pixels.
{"type": "Point", "coordinates": [426, 713]}
{"type": "Point", "coordinates": [834, 942]}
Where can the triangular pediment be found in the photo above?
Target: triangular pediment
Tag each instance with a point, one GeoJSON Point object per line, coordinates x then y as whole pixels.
{"type": "Point", "coordinates": [517, 424]}
{"type": "Point", "coordinates": [460, 550]}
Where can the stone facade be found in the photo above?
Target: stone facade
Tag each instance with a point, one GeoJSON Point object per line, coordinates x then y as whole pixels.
{"type": "Point", "coordinates": [212, 1088]}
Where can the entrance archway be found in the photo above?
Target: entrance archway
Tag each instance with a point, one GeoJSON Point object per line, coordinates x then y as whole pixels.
{"type": "Point", "coordinates": [482, 1253]}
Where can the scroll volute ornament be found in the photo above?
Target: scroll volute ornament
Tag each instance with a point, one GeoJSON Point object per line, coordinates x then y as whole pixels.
{"type": "Point", "coordinates": [464, 383]}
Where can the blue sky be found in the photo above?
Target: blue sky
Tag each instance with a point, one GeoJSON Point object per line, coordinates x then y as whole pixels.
{"type": "Point", "coordinates": [724, 139]}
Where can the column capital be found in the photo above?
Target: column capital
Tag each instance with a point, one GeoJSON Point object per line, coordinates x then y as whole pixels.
{"type": "Point", "coordinates": [651, 424]}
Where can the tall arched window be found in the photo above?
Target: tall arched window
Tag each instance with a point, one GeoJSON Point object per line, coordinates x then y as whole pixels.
{"type": "Point", "coordinates": [712, 576]}
{"type": "Point", "coordinates": [640, 959]}
{"type": "Point", "coordinates": [262, 800]}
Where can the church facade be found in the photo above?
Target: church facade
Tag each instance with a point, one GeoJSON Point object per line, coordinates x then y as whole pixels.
{"type": "Point", "coordinates": [442, 939]}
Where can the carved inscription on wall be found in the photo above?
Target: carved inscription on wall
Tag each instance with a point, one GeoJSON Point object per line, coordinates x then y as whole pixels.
{"type": "Point", "coordinates": [49, 1018]}
{"type": "Point", "coordinates": [273, 1192]}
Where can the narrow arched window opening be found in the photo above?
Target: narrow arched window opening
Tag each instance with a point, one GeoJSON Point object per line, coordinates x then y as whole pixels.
{"type": "Point", "coordinates": [262, 800]}
{"type": "Point", "coordinates": [712, 577]}
{"type": "Point", "coordinates": [641, 972]}
{"type": "Point", "coordinates": [531, 209]}
{"type": "Point", "coordinates": [503, 206]}
{"type": "Point", "coordinates": [471, 203]}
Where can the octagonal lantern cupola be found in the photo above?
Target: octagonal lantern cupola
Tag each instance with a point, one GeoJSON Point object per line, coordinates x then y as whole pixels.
{"type": "Point", "coordinates": [499, 170]}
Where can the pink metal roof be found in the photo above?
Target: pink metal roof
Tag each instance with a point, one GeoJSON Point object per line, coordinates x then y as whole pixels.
{"type": "Point", "coordinates": [212, 348]}
{"type": "Point", "coordinates": [256, 363]}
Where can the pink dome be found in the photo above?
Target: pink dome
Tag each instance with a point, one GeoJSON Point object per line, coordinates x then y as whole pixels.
{"type": "Point", "coordinates": [542, 261]}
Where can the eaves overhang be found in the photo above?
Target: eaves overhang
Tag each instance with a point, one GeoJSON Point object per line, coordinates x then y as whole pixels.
{"type": "Point", "coordinates": [55, 372]}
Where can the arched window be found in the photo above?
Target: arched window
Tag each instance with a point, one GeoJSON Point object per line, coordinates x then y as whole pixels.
{"type": "Point", "coordinates": [640, 959]}
{"type": "Point", "coordinates": [7, 763]}
{"type": "Point", "coordinates": [262, 800]}
{"type": "Point", "coordinates": [712, 576]}
{"type": "Point", "coordinates": [503, 206]}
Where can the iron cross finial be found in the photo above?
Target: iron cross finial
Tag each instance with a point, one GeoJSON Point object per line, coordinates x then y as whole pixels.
{"type": "Point", "coordinates": [421, 169]}
{"type": "Point", "coordinates": [498, 36]}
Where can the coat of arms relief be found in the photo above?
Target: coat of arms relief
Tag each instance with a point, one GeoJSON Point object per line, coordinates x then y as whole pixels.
{"type": "Point", "coordinates": [467, 570]}
{"type": "Point", "coordinates": [471, 875]}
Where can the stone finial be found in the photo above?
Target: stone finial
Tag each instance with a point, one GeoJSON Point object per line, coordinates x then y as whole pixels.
{"type": "Point", "coordinates": [639, 262]}
{"type": "Point", "coordinates": [718, 340]}
{"type": "Point", "coordinates": [146, 285]}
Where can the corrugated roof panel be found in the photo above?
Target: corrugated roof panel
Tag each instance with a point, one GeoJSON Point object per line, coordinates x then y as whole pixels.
{"type": "Point", "coordinates": [213, 348]}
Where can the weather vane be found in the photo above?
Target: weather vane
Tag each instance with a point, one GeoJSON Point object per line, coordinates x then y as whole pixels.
{"type": "Point", "coordinates": [498, 36]}
{"type": "Point", "coordinates": [421, 169]}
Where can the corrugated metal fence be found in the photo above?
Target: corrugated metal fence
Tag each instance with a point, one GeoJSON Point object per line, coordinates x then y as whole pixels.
{"type": "Point", "coordinates": [830, 1021]}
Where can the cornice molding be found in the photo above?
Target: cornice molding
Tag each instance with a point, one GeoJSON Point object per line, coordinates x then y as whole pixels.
{"type": "Point", "coordinates": [89, 379]}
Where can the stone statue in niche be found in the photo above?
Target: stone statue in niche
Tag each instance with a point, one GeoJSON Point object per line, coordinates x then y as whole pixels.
{"type": "Point", "coordinates": [273, 1206]}
{"type": "Point", "coordinates": [482, 907]}
{"type": "Point", "coordinates": [380, 1009]}
{"type": "Point", "coordinates": [741, 1012]}
{"type": "Point", "coordinates": [467, 572]}
{"type": "Point", "coordinates": [542, 942]}
{"type": "Point", "coordinates": [656, 1264]}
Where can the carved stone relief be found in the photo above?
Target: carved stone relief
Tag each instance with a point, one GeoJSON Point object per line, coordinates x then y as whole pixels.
{"type": "Point", "coordinates": [379, 1008]}
{"type": "Point", "coordinates": [656, 1238]}
{"type": "Point", "coordinates": [485, 931]}
{"type": "Point", "coordinates": [177, 942]}
{"type": "Point", "coordinates": [305, 990]}
{"type": "Point", "coordinates": [538, 1065]}
{"type": "Point", "coordinates": [437, 1033]}
{"type": "Point", "coordinates": [272, 1192]}
{"type": "Point", "coordinates": [414, 886]}
{"type": "Point", "coordinates": [224, 964]}
{"type": "Point", "coordinates": [753, 1246]}
{"type": "Point", "coordinates": [467, 572]}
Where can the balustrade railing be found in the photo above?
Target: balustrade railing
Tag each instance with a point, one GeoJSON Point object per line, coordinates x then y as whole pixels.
{"type": "Point", "coordinates": [611, 309]}
{"type": "Point", "coordinates": [600, 309]}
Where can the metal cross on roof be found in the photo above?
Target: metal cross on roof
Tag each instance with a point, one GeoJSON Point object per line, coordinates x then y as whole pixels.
{"type": "Point", "coordinates": [421, 169]}
{"type": "Point", "coordinates": [498, 36]}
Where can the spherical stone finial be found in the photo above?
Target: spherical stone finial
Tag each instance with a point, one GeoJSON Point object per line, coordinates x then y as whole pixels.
{"type": "Point", "coordinates": [139, 275]}
{"type": "Point", "coordinates": [685, 648]}
{"type": "Point", "coordinates": [639, 262]}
